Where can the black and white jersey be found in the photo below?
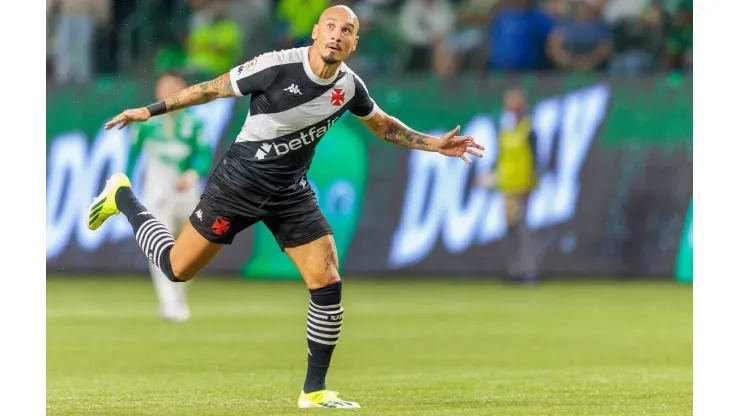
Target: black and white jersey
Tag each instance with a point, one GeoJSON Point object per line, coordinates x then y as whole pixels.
{"type": "Point", "coordinates": [291, 109]}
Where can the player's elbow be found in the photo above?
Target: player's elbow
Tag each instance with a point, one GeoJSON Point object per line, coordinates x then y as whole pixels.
{"type": "Point", "coordinates": [381, 126]}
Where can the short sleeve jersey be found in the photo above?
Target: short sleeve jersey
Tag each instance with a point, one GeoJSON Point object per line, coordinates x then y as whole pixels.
{"type": "Point", "coordinates": [291, 109]}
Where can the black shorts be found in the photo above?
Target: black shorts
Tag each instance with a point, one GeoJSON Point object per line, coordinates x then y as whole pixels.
{"type": "Point", "coordinates": [227, 207]}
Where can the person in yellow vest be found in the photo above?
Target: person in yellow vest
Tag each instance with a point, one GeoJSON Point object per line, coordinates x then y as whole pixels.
{"type": "Point", "coordinates": [515, 176]}
{"type": "Point", "coordinates": [214, 45]}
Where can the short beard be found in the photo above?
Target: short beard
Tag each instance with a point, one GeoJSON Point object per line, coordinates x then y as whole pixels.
{"type": "Point", "coordinates": [329, 60]}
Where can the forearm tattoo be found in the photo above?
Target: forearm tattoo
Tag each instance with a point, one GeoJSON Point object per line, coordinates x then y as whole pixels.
{"type": "Point", "coordinates": [401, 135]}
{"type": "Point", "coordinates": [202, 93]}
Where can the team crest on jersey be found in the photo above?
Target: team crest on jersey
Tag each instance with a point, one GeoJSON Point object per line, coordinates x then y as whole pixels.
{"type": "Point", "coordinates": [337, 97]}
{"type": "Point", "coordinates": [251, 64]}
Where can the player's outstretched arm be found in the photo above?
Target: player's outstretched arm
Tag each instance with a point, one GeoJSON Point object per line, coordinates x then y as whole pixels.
{"type": "Point", "coordinates": [202, 93]}
{"type": "Point", "coordinates": [394, 131]}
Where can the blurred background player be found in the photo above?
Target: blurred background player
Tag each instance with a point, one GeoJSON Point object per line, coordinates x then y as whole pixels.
{"type": "Point", "coordinates": [515, 175]}
{"type": "Point", "coordinates": [176, 156]}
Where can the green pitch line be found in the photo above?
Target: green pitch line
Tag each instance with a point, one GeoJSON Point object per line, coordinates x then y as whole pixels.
{"type": "Point", "coordinates": [409, 348]}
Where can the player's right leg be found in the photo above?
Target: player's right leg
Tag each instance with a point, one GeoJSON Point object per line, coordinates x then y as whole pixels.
{"type": "Point", "coordinates": [180, 261]}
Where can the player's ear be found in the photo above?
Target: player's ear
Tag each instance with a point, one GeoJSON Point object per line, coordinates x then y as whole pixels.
{"type": "Point", "coordinates": [357, 39]}
{"type": "Point", "coordinates": [315, 32]}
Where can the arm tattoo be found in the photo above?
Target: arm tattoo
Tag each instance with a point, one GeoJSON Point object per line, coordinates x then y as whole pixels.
{"type": "Point", "coordinates": [399, 134]}
{"type": "Point", "coordinates": [200, 94]}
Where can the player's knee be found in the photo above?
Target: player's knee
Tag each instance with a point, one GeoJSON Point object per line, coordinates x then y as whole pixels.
{"type": "Point", "coordinates": [332, 276]}
{"type": "Point", "coordinates": [323, 278]}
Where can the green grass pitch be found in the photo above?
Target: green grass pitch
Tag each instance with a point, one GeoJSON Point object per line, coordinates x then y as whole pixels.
{"type": "Point", "coordinates": [407, 348]}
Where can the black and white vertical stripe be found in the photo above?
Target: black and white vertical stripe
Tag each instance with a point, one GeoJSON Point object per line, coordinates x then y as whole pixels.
{"type": "Point", "coordinates": [324, 323]}
{"type": "Point", "coordinates": [154, 238]}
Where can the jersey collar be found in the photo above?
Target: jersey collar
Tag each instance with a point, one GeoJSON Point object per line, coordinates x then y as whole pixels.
{"type": "Point", "coordinates": [311, 75]}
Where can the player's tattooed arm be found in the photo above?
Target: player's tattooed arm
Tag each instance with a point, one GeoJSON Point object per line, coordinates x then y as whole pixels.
{"type": "Point", "coordinates": [397, 133]}
{"type": "Point", "coordinates": [394, 131]}
{"type": "Point", "coordinates": [202, 93]}
{"type": "Point", "coordinates": [197, 94]}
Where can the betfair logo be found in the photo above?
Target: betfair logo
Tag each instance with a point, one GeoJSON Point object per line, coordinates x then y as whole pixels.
{"type": "Point", "coordinates": [305, 139]}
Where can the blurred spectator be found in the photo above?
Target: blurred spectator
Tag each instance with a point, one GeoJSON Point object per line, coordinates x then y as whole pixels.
{"type": "Point", "coordinates": [473, 17]}
{"type": "Point", "coordinates": [374, 3]}
{"type": "Point", "coordinates": [424, 26]}
{"type": "Point", "coordinates": [516, 175]}
{"type": "Point", "coordinates": [75, 31]}
{"type": "Point", "coordinates": [556, 9]}
{"type": "Point", "coordinates": [169, 57]}
{"type": "Point", "coordinates": [214, 44]}
{"type": "Point", "coordinates": [639, 41]}
{"type": "Point", "coordinates": [50, 44]}
{"type": "Point", "coordinates": [199, 12]}
{"type": "Point", "coordinates": [582, 42]}
{"type": "Point", "coordinates": [296, 19]}
{"type": "Point", "coordinates": [518, 36]}
{"type": "Point", "coordinates": [255, 19]}
{"type": "Point", "coordinates": [170, 37]}
{"type": "Point", "coordinates": [621, 10]}
{"type": "Point", "coordinates": [680, 41]}
{"type": "Point", "coordinates": [380, 41]}
{"type": "Point", "coordinates": [444, 36]}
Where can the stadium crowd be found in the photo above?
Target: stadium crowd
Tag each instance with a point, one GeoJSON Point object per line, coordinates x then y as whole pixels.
{"type": "Point", "coordinates": [88, 38]}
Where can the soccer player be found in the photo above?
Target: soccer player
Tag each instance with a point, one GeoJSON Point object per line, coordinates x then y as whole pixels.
{"type": "Point", "coordinates": [176, 157]}
{"type": "Point", "coordinates": [297, 95]}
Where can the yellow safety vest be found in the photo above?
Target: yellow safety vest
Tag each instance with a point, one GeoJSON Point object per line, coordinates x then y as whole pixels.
{"type": "Point", "coordinates": [515, 168]}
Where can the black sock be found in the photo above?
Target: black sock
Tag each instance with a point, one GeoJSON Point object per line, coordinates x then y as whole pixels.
{"type": "Point", "coordinates": [153, 237]}
{"type": "Point", "coordinates": [322, 331]}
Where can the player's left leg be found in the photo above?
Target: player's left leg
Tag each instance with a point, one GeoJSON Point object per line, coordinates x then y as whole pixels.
{"type": "Point", "coordinates": [317, 263]}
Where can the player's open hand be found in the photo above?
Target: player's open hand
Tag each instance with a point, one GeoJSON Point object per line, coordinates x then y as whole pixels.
{"type": "Point", "coordinates": [129, 116]}
{"type": "Point", "coordinates": [458, 146]}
